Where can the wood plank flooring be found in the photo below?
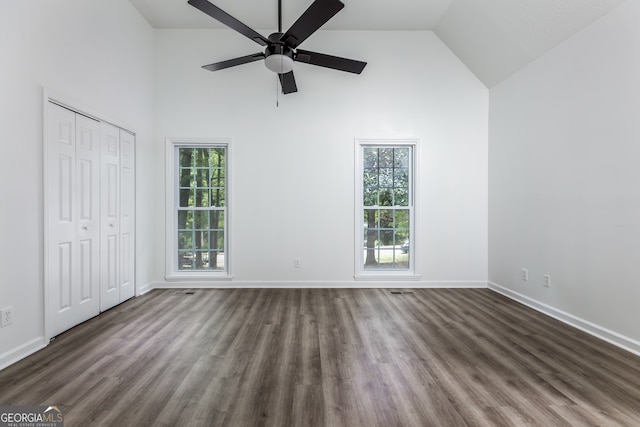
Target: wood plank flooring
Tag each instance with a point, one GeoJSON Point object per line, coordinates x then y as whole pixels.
{"type": "Point", "coordinates": [328, 357]}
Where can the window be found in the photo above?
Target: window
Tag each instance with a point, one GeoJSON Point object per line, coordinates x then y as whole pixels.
{"type": "Point", "coordinates": [385, 208]}
{"type": "Point", "coordinates": [198, 218]}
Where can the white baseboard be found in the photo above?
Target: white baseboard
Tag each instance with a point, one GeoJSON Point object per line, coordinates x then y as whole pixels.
{"type": "Point", "coordinates": [20, 352]}
{"type": "Point", "coordinates": [597, 331]}
{"type": "Point", "coordinates": [360, 284]}
{"type": "Point", "coordinates": [144, 289]}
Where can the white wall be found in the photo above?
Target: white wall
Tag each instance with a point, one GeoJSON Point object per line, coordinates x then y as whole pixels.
{"type": "Point", "coordinates": [564, 179]}
{"type": "Point", "coordinates": [96, 55]}
{"type": "Point", "coordinates": [292, 190]}
{"type": "Point", "coordinates": [293, 179]}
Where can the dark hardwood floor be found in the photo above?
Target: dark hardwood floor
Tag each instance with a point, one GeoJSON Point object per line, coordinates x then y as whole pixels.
{"type": "Point", "coordinates": [328, 357]}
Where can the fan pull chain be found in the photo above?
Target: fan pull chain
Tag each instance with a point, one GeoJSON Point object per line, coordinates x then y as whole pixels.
{"type": "Point", "coordinates": [278, 77]}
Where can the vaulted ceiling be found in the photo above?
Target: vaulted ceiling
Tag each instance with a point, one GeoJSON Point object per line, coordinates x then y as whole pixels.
{"type": "Point", "coordinates": [494, 38]}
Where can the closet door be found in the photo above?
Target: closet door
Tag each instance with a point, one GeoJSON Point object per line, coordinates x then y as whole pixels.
{"type": "Point", "coordinates": [109, 216]}
{"type": "Point", "coordinates": [72, 212]}
{"type": "Point", "coordinates": [127, 215]}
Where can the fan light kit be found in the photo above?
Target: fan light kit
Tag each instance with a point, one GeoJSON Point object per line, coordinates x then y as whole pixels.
{"type": "Point", "coordinates": [279, 63]}
{"type": "Point", "coordinates": [281, 48]}
{"type": "Point", "coordinates": [279, 58]}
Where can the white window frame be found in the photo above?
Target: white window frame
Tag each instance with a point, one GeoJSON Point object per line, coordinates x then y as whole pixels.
{"type": "Point", "coordinates": [386, 274]}
{"type": "Point", "coordinates": [171, 201]}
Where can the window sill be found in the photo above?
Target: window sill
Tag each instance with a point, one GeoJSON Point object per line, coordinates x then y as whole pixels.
{"type": "Point", "coordinates": [387, 276]}
{"type": "Point", "coordinates": [198, 277]}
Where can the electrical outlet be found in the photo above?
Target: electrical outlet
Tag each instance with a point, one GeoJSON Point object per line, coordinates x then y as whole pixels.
{"type": "Point", "coordinates": [524, 275]}
{"type": "Point", "coordinates": [296, 263]}
{"type": "Point", "coordinates": [6, 316]}
{"type": "Point", "coordinates": [547, 281]}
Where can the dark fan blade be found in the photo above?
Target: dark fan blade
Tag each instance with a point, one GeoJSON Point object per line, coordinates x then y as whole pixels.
{"type": "Point", "coordinates": [216, 13]}
{"type": "Point", "coordinates": [335, 62]}
{"type": "Point", "coordinates": [313, 18]}
{"type": "Point", "coordinates": [233, 62]}
{"type": "Point", "coordinates": [288, 83]}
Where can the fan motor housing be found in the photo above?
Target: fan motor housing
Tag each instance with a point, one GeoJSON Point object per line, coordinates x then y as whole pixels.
{"type": "Point", "coordinates": [278, 50]}
{"type": "Point", "coordinates": [276, 38]}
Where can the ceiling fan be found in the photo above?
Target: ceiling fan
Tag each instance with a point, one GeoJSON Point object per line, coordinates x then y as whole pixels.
{"type": "Point", "coordinates": [282, 48]}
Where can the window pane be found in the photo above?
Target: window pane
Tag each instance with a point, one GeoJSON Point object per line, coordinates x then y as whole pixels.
{"type": "Point", "coordinates": [386, 177]}
{"type": "Point", "coordinates": [386, 259]}
{"type": "Point", "coordinates": [217, 157]}
{"type": "Point", "coordinates": [401, 178]}
{"type": "Point", "coordinates": [201, 198]}
{"type": "Point", "coordinates": [201, 208]}
{"type": "Point", "coordinates": [371, 218]}
{"type": "Point", "coordinates": [217, 197]}
{"type": "Point", "coordinates": [201, 220]}
{"type": "Point", "coordinates": [216, 240]}
{"type": "Point", "coordinates": [370, 257]}
{"type": "Point", "coordinates": [185, 178]}
{"type": "Point", "coordinates": [386, 239]}
{"type": "Point", "coordinates": [202, 177]}
{"type": "Point", "coordinates": [386, 219]}
{"type": "Point", "coordinates": [371, 238]}
{"type": "Point", "coordinates": [185, 220]}
{"type": "Point", "coordinates": [401, 237]}
{"type": "Point", "coordinates": [370, 232]}
{"type": "Point", "coordinates": [386, 186]}
{"type": "Point", "coordinates": [401, 158]}
{"type": "Point", "coordinates": [379, 259]}
{"type": "Point", "coordinates": [215, 260]}
{"type": "Point", "coordinates": [370, 178]}
{"type": "Point", "coordinates": [202, 156]}
{"type": "Point", "coordinates": [217, 177]}
{"type": "Point", "coordinates": [401, 260]}
{"type": "Point", "coordinates": [370, 197]}
{"type": "Point", "coordinates": [385, 157]}
{"type": "Point", "coordinates": [386, 197]}
{"type": "Point", "coordinates": [202, 240]}
{"type": "Point", "coordinates": [217, 169]}
{"type": "Point", "coordinates": [186, 197]}
{"type": "Point", "coordinates": [184, 240]}
{"type": "Point", "coordinates": [401, 218]}
{"type": "Point", "coordinates": [400, 197]}
{"type": "Point", "coordinates": [216, 220]}
{"type": "Point", "coordinates": [370, 158]}
{"type": "Point", "coordinates": [186, 157]}
{"type": "Point", "coordinates": [186, 259]}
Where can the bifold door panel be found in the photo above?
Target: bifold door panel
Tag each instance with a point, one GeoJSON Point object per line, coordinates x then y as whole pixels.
{"type": "Point", "coordinates": [89, 219]}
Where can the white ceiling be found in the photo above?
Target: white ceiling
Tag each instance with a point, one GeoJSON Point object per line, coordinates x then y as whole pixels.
{"type": "Point", "coordinates": [494, 38]}
{"type": "Point", "coordinates": [263, 14]}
